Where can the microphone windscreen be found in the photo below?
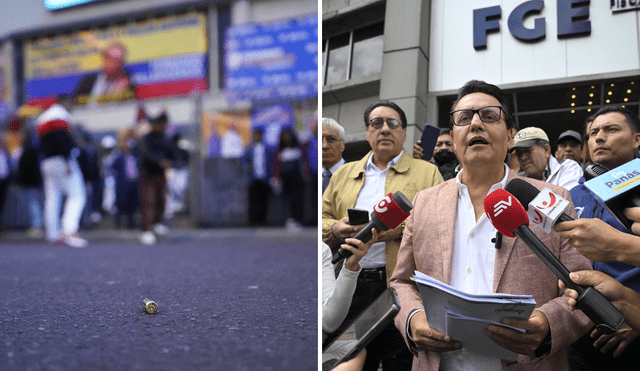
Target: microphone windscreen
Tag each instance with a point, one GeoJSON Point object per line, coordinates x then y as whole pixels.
{"type": "Point", "coordinates": [389, 212]}
{"type": "Point", "coordinates": [594, 170]}
{"type": "Point", "coordinates": [505, 212]}
{"type": "Point", "coordinates": [523, 191]}
{"type": "Point", "coordinates": [402, 201]}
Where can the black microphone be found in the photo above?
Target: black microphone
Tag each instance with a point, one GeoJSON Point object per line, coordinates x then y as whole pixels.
{"type": "Point", "coordinates": [618, 189]}
{"type": "Point", "coordinates": [509, 217]}
{"type": "Point", "coordinates": [594, 170]}
{"type": "Point", "coordinates": [387, 214]}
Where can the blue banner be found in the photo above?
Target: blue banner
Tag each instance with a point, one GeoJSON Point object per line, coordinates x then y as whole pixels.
{"type": "Point", "coordinates": [275, 61]}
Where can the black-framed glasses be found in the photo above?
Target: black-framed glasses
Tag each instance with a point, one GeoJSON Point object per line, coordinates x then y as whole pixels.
{"type": "Point", "coordinates": [463, 117]}
{"type": "Point", "coordinates": [377, 122]}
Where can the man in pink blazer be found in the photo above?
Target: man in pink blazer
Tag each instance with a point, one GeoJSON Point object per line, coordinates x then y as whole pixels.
{"type": "Point", "coordinates": [449, 238]}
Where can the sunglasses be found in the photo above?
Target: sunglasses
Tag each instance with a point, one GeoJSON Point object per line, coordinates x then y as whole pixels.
{"type": "Point", "coordinates": [377, 122]}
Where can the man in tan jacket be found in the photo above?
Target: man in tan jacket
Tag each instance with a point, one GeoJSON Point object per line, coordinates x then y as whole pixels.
{"type": "Point", "coordinates": [362, 184]}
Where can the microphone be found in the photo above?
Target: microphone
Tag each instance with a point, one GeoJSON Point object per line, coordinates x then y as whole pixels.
{"type": "Point", "coordinates": [509, 217]}
{"type": "Point", "coordinates": [387, 214]}
{"type": "Point", "coordinates": [593, 170]}
{"type": "Point", "coordinates": [545, 208]}
{"type": "Point", "coordinates": [618, 189]}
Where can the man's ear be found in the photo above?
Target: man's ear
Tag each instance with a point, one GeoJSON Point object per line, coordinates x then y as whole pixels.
{"type": "Point", "coordinates": [512, 133]}
{"type": "Point", "coordinates": [636, 140]}
{"type": "Point", "coordinates": [547, 150]}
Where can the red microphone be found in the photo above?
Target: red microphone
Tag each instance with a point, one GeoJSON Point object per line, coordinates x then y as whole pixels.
{"type": "Point", "coordinates": [505, 212]}
{"type": "Point", "coordinates": [387, 214]}
{"type": "Point", "coordinates": [509, 217]}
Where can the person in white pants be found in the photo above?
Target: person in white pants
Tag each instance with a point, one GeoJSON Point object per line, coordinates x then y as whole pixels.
{"type": "Point", "coordinates": [61, 176]}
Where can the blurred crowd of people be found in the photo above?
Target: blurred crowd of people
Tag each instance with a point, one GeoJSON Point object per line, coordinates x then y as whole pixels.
{"type": "Point", "coordinates": [58, 168]}
{"type": "Point", "coordinates": [286, 170]}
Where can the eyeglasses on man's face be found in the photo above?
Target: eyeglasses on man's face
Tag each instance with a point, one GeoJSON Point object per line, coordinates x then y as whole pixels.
{"type": "Point", "coordinates": [463, 117]}
{"type": "Point", "coordinates": [377, 122]}
{"type": "Point", "coordinates": [330, 139]}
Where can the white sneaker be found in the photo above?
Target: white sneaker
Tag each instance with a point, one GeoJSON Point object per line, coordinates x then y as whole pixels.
{"type": "Point", "coordinates": [35, 233]}
{"type": "Point", "coordinates": [293, 226]}
{"type": "Point", "coordinates": [160, 229]}
{"type": "Point", "coordinates": [148, 238]}
{"type": "Point", "coordinates": [74, 241]}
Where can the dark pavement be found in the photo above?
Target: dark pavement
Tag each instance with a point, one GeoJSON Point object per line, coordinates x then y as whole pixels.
{"type": "Point", "coordinates": [229, 299]}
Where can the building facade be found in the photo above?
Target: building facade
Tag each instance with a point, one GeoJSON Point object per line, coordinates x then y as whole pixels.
{"type": "Point", "coordinates": [558, 60]}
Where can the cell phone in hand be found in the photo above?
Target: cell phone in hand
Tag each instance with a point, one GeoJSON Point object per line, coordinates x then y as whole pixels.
{"type": "Point", "coordinates": [428, 140]}
{"type": "Point", "coordinates": [358, 216]}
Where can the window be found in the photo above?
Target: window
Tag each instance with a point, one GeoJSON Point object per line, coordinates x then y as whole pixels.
{"type": "Point", "coordinates": [367, 51]}
{"type": "Point", "coordinates": [338, 58]}
{"type": "Point", "coordinates": [353, 54]}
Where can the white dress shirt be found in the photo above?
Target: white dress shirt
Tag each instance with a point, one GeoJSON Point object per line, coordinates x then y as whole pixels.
{"type": "Point", "coordinates": [370, 194]}
{"type": "Point", "coordinates": [472, 270]}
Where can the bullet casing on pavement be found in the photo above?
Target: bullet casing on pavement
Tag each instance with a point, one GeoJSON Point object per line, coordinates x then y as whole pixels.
{"type": "Point", "coordinates": [150, 306]}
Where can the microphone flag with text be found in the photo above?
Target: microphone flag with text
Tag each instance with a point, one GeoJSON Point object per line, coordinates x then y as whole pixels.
{"type": "Point", "coordinates": [509, 217]}
{"type": "Point", "coordinates": [618, 189]}
{"type": "Point", "coordinates": [545, 208]}
{"type": "Point", "coordinates": [387, 214]}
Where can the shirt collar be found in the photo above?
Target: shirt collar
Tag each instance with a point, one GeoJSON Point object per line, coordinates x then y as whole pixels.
{"type": "Point", "coordinates": [546, 172]}
{"type": "Point", "coordinates": [370, 165]}
{"type": "Point", "coordinates": [335, 167]}
{"type": "Point", "coordinates": [501, 184]}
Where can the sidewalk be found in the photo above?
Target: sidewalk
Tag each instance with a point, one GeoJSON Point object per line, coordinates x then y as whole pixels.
{"type": "Point", "coordinates": [131, 235]}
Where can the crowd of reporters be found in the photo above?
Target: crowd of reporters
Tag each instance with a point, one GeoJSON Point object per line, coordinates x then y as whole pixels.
{"type": "Point", "coordinates": [483, 150]}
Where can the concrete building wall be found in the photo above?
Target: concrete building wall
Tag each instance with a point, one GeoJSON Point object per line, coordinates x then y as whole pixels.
{"type": "Point", "coordinates": [404, 75]}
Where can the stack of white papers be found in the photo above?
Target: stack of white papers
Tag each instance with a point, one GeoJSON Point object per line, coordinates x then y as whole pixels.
{"type": "Point", "coordinates": [465, 316]}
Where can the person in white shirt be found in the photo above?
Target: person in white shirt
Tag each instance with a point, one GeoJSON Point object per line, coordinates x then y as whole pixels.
{"type": "Point", "coordinates": [332, 148]}
{"type": "Point", "coordinates": [337, 293]}
{"type": "Point", "coordinates": [61, 175]}
{"type": "Point", "coordinates": [531, 146]}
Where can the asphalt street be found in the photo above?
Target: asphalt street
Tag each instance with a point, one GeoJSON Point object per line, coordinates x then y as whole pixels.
{"type": "Point", "coordinates": [231, 299]}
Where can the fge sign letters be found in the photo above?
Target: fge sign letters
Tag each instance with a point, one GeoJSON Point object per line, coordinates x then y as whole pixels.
{"type": "Point", "coordinates": [573, 20]}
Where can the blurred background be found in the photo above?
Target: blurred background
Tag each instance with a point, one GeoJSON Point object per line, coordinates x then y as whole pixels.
{"type": "Point", "coordinates": [218, 69]}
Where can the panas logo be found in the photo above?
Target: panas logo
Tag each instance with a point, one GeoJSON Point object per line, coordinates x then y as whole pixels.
{"type": "Point", "coordinates": [547, 204]}
{"type": "Point", "coordinates": [382, 206]}
{"type": "Point", "coordinates": [501, 206]}
{"type": "Point", "coordinates": [620, 177]}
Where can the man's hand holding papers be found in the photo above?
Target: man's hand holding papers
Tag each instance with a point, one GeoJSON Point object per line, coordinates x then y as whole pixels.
{"type": "Point", "coordinates": [536, 329]}
{"type": "Point", "coordinates": [428, 338]}
{"type": "Point", "coordinates": [454, 319]}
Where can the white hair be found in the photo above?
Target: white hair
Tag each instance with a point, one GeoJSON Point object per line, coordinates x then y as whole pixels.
{"type": "Point", "coordinates": [333, 125]}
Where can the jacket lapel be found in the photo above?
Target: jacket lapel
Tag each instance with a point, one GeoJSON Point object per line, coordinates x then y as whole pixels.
{"type": "Point", "coordinates": [447, 227]}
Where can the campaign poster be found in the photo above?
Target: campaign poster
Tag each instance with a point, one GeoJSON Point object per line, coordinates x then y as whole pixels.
{"type": "Point", "coordinates": [225, 133]}
{"type": "Point", "coordinates": [148, 59]}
